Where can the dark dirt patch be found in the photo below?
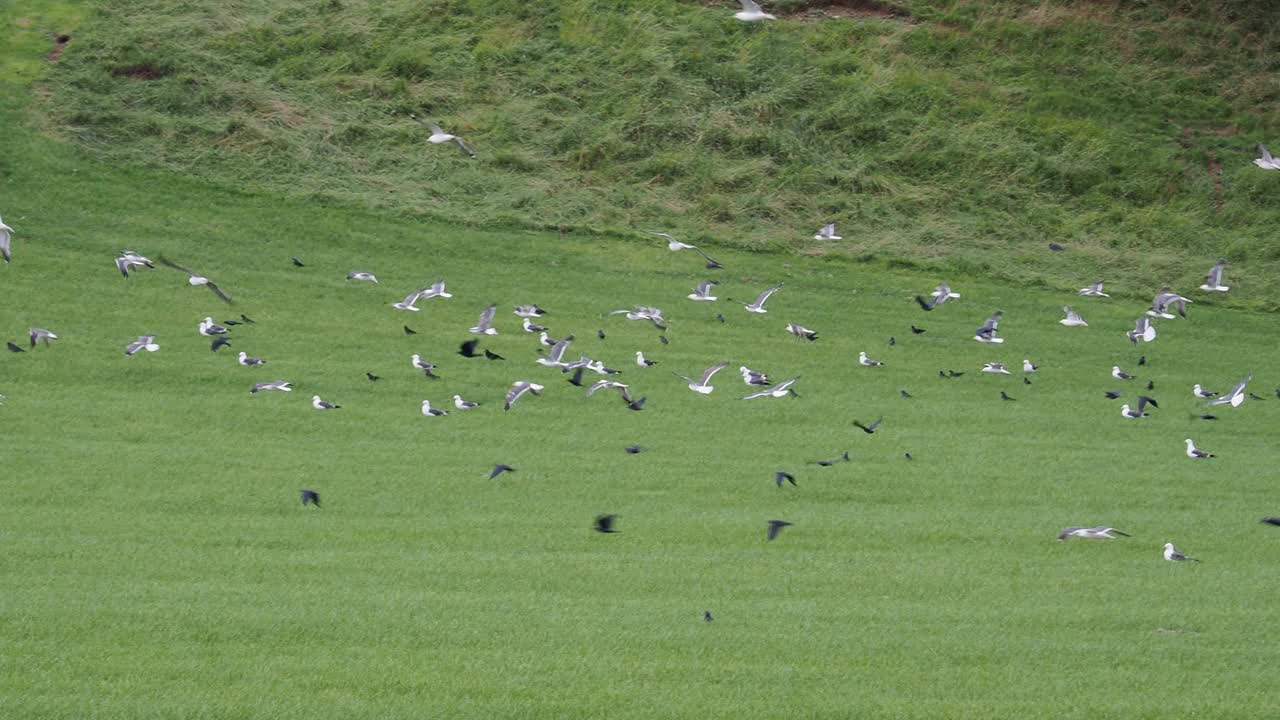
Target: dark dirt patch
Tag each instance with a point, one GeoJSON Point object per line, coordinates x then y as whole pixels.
{"type": "Point", "coordinates": [1214, 167]}
{"type": "Point", "coordinates": [819, 9]}
{"type": "Point", "coordinates": [59, 44]}
{"type": "Point", "coordinates": [144, 71]}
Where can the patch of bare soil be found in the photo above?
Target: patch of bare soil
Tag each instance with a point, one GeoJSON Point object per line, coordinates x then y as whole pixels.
{"type": "Point", "coordinates": [821, 9]}
{"type": "Point", "coordinates": [144, 71]}
{"type": "Point", "coordinates": [59, 44]}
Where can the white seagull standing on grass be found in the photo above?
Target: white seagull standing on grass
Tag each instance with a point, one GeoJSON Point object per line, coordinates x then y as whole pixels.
{"type": "Point", "coordinates": [751, 12]}
{"type": "Point", "coordinates": [758, 305]}
{"type": "Point", "coordinates": [531, 327]}
{"type": "Point", "coordinates": [702, 385]}
{"type": "Point", "coordinates": [641, 361]}
{"type": "Point", "coordinates": [1094, 290]}
{"type": "Point", "coordinates": [319, 404]}
{"type": "Point", "coordinates": [144, 342]}
{"type": "Point", "coordinates": [751, 377]}
{"type": "Point", "coordinates": [1091, 533]}
{"type": "Point", "coordinates": [209, 328]}
{"type": "Point", "coordinates": [1213, 279]}
{"type": "Point", "coordinates": [428, 411]}
{"type": "Point", "coordinates": [518, 389]}
{"type": "Point", "coordinates": [248, 360]}
{"type": "Point", "coordinates": [1171, 554]}
{"type": "Point", "coordinates": [1119, 374]}
{"type": "Point", "coordinates": [703, 291]}
{"type": "Point", "coordinates": [1196, 453]}
{"type": "Point", "coordinates": [866, 361]}
{"type": "Point", "coordinates": [1143, 401]}
{"type": "Point", "coordinates": [828, 232]}
{"type": "Point", "coordinates": [1028, 366]}
{"type": "Point", "coordinates": [1202, 393]}
{"type": "Point", "coordinates": [461, 404]}
{"type": "Point", "coordinates": [1236, 397]}
{"type": "Point", "coordinates": [6, 236]}
{"type": "Point", "coordinates": [1073, 318]}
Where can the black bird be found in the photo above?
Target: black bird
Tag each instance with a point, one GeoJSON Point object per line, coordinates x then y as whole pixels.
{"type": "Point", "coordinates": [633, 449]}
{"type": "Point", "coordinates": [1142, 360]}
{"type": "Point", "coordinates": [775, 527]}
{"type": "Point", "coordinates": [905, 395]}
{"type": "Point", "coordinates": [499, 469]}
{"type": "Point", "coordinates": [636, 405]}
{"type": "Point", "coordinates": [15, 348]}
{"type": "Point", "coordinates": [917, 331]}
{"type": "Point", "coordinates": [720, 317]}
{"type": "Point", "coordinates": [954, 374]}
{"type": "Point", "coordinates": [1005, 396]}
{"type": "Point", "coordinates": [577, 378]}
{"type": "Point", "coordinates": [493, 355]}
{"type": "Point", "coordinates": [942, 375]}
{"type": "Point", "coordinates": [600, 333]}
{"type": "Point", "coordinates": [297, 262]}
{"type": "Point", "coordinates": [706, 616]}
{"type": "Point", "coordinates": [1112, 394]}
{"type": "Point", "coordinates": [246, 319]}
{"type": "Point", "coordinates": [373, 377]}
{"type": "Point", "coordinates": [1277, 389]}
{"type": "Point", "coordinates": [892, 342]}
{"type": "Point", "coordinates": [231, 323]}
{"type": "Point", "coordinates": [907, 455]}
{"type": "Point", "coordinates": [924, 304]}
{"type": "Point", "coordinates": [604, 524]}
{"type": "Point", "coordinates": [468, 349]}
{"type": "Point", "coordinates": [712, 264]}
{"type": "Point", "coordinates": [310, 497]}
{"type": "Point", "coordinates": [868, 429]}
{"type": "Point", "coordinates": [1151, 384]}
{"type": "Point", "coordinates": [1026, 381]}
{"type": "Point", "coordinates": [829, 463]}
{"type": "Point", "coordinates": [780, 476]}
{"type": "Point", "coordinates": [409, 331]}
{"type": "Point", "coordinates": [1208, 417]}
{"type": "Point", "coordinates": [663, 339]}
{"type": "Point", "coordinates": [1056, 247]}
{"type": "Point", "coordinates": [219, 342]}
{"type": "Point", "coordinates": [1271, 520]}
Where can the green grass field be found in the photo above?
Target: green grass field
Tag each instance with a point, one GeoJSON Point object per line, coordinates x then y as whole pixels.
{"type": "Point", "coordinates": [158, 564]}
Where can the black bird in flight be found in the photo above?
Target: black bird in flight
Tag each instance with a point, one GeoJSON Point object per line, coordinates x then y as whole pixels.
{"type": "Point", "coordinates": [706, 616]}
{"type": "Point", "coordinates": [15, 348]}
{"type": "Point", "coordinates": [720, 317]}
{"type": "Point", "coordinates": [829, 463]}
{"type": "Point", "coordinates": [499, 469]}
{"type": "Point", "coordinates": [373, 377]}
{"type": "Point", "coordinates": [663, 339]}
{"type": "Point", "coordinates": [1208, 417]}
{"type": "Point", "coordinates": [577, 377]}
{"type": "Point", "coordinates": [907, 455]}
{"type": "Point", "coordinates": [297, 262]}
{"type": "Point", "coordinates": [409, 331]}
{"type": "Point", "coordinates": [310, 497]}
{"type": "Point", "coordinates": [468, 349]}
{"type": "Point", "coordinates": [1271, 520]}
{"type": "Point", "coordinates": [781, 476]}
{"type": "Point", "coordinates": [604, 523]}
{"type": "Point", "coordinates": [775, 527]}
{"type": "Point", "coordinates": [1112, 394]}
{"type": "Point", "coordinates": [868, 429]}
{"type": "Point", "coordinates": [218, 342]}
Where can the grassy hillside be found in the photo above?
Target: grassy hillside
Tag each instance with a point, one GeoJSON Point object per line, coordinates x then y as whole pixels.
{"type": "Point", "coordinates": [955, 136]}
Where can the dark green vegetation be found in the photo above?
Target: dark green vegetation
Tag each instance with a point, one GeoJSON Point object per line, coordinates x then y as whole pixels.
{"type": "Point", "coordinates": [956, 136]}
{"type": "Point", "coordinates": [157, 562]}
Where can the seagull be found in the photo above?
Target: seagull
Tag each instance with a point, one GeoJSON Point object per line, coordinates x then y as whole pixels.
{"type": "Point", "coordinates": [38, 334]}
{"type": "Point", "coordinates": [1171, 553]}
{"type": "Point", "coordinates": [1119, 374]}
{"type": "Point", "coordinates": [701, 386]}
{"type": "Point", "coordinates": [1091, 533]}
{"type": "Point", "coordinates": [642, 362]}
{"type": "Point", "coordinates": [604, 524]}
{"type": "Point", "coordinates": [1166, 299]}
{"type": "Point", "coordinates": [782, 476]}
{"type": "Point", "coordinates": [1143, 401]}
{"type": "Point", "coordinates": [1094, 290]}
{"type": "Point", "coordinates": [426, 367]}
{"type": "Point", "coordinates": [758, 305]}
{"type": "Point", "coordinates": [987, 333]}
{"type": "Point", "coordinates": [751, 377]}
{"type": "Point", "coordinates": [868, 429]}
{"type": "Point", "coordinates": [486, 317]}
{"type": "Point", "coordinates": [218, 342]}
{"type": "Point", "coordinates": [801, 331]}
{"type": "Point", "coordinates": [209, 328]}
{"type": "Point", "coordinates": [129, 259]}
{"type": "Point", "coordinates": [994, 368]}
{"type": "Point", "coordinates": [249, 361]}
{"type": "Point", "coordinates": [775, 526]}
{"type": "Point", "coordinates": [674, 245]}
{"type": "Point", "coordinates": [555, 358]}
{"type": "Point", "coordinates": [310, 497]}
{"type": "Point", "coordinates": [281, 385]}
{"type": "Point", "coordinates": [6, 236]}
{"type": "Point", "coordinates": [782, 389]}
{"type": "Point", "coordinates": [1143, 329]}
{"type": "Point", "coordinates": [644, 312]}
{"type": "Point", "coordinates": [499, 469]}
{"type": "Point", "coordinates": [1196, 453]}
{"type": "Point", "coordinates": [436, 290]}
{"type": "Point", "coordinates": [940, 295]}
{"type": "Point", "coordinates": [461, 404]}
{"type": "Point", "coordinates": [144, 342]}
{"type": "Point", "coordinates": [438, 136]}
{"type": "Point", "coordinates": [529, 311]}
{"type": "Point", "coordinates": [868, 362]}
{"type": "Point", "coordinates": [828, 232]}
{"type": "Point", "coordinates": [703, 291]}
{"type": "Point", "coordinates": [428, 411]}
{"type": "Point", "coordinates": [1236, 397]}
{"type": "Point", "coordinates": [319, 404]}
{"type": "Point", "coordinates": [194, 278]}
{"type": "Point", "coordinates": [1028, 367]}
{"type": "Point", "coordinates": [530, 327]}
{"type": "Point", "coordinates": [518, 389]}
{"type": "Point", "coordinates": [1213, 280]}
{"type": "Point", "coordinates": [1266, 162]}
{"type": "Point", "coordinates": [751, 12]}
{"type": "Point", "coordinates": [1202, 393]}
{"type": "Point", "coordinates": [1073, 318]}
{"type": "Point", "coordinates": [605, 385]}
{"type": "Point", "coordinates": [410, 301]}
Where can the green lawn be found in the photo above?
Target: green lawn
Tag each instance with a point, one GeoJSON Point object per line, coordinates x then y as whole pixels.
{"type": "Point", "coordinates": [158, 563]}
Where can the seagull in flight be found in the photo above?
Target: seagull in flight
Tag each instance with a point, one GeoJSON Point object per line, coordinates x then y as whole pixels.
{"type": "Point", "coordinates": [280, 385]}
{"type": "Point", "coordinates": [428, 411]}
{"type": "Point", "coordinates": [195, 278]}
{"type": "Point", "coordinates": [436, 290]}
{"type": "Point", "coordinates": [994, 368]}
{"type": "Point", "coordinates": [1213, 280]}
{"type": "Point", "coordinates": [1235, 398]}
{"type": "Point", "coordinates": [1094, 290]}
{"type": "Point", "coordinates": [828, 232]}
{"type": "Point", "coordinates": [518, 389]}
{"type": "Point", "coordinates": [751, 12]}
{"type": "Point", "coordinates": [1196, 453]}
{"type": "Point", "coordinates": [801, 331]}
{"type": "Point", "coordinates": [702, 292]}
{"type": "Point", "coordinates": [758, 305]}
{"type": "Point", "coordinates": [1266, 162]}
{"type": "Point", "coordinates": [607, 385]}
{"type": "Point", "coordinates": [940, 295]}
{"type": "Point", "coordinates": [644, 312]}
{"type": "Point", "coordinates": [987, 333]}
{"type": "Point", "coordinates": [1171, 554]}
{"type": "Point", "coordinates": [362, 275]}
{"type": "Point", "coordinates": [1166, 299]}
{"type": "Point", "coordinates": [144, 342]}
{"type": "Point", "coordinates": [1091, 533]}
{"type": "Point", "coordinates": [6, 237]}
{"type": "Point", "coordinates": [1143, 329]}
{"type": "Point", "coordinates": [675, 245]}
{"type": "Point", "coordinates": [555, 358]}
{"type": "Point", "coordinates": [702, 385]}
{"type": "Point", "coordinates": [1072, 318]}
{"type": "Point", "coordinates": [38, 334]}
{"type": "Point", "coordinates": [130, 259]}
{"type": "Point", "coordinates": [1143, 401]}
{"type": "Point", "coordinates": [319, 404]}
{"type": "Point", "coordinates": [483, 326]}
{"type": "Point", "coordinates": [439, 136]}
{"type": "Point", "coordinates": [866, 361]}
{"type": "Point", "coordinates": [782, 389]}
